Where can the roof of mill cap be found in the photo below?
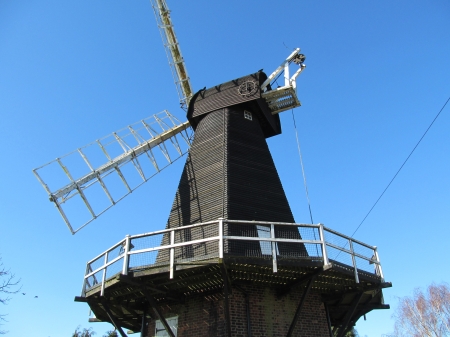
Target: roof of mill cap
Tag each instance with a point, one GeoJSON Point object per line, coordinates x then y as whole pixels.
{"type": "Point", "coordinates": [244, 91]}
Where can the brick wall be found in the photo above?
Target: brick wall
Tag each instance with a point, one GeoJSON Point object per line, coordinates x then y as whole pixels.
{"type": "Point", "coordinates": [269, 315]}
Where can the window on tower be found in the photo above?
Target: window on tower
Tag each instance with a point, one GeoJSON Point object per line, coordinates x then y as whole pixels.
{"type": "Point", "coordinates": [248, 115]}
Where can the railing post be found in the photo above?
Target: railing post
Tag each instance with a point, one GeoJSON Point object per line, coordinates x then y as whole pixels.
{"type": "Point", "coordinates": [83, 291]}
{"type": "Point", "coordinates": [324, 246]}
{"type": "Point", "coordinates": [220, 238]}
{"type": "Point", "coordinates": [126, 257]}
{"type": "Point", "coordinates": [350, 243]}
{"type": "Point", "coordinates": [102, 291]}
{"type": "Point", "coordinates": [378, 264]}
{"type": "Point", "coordinates": [172, 253]}
{"type": "Point", "coordinates": [274, 249]}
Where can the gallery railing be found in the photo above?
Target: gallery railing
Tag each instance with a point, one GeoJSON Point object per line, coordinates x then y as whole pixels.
{"type": "Point", "coordinates": [206, 242]}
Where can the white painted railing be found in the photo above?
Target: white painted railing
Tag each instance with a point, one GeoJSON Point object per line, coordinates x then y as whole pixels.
{"type": "Point", "coordinates": [171, 247]}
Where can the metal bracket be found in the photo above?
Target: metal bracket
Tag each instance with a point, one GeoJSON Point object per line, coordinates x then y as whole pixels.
{"type": "Point", "coordinates": [285, 97]}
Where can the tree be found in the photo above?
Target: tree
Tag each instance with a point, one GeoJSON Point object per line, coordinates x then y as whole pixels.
{"type": "Point", "coordinates": [84, 333]}
{"type": "Point", "coordinates": [424, 313]}
{"type": "Point", "coordinates": [90, 333]}
{"type": "Point", "coordinates": [8, 286]}
{"type": "Point", "coordinates": [352, 333]}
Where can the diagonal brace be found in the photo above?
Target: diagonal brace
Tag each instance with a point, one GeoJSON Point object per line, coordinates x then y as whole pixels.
{"type": "Point", "coordinates": [158, 312]}
{"type": "Point", "coordinates": [327, 311]}
{"type": "Point", "coordinates": [113, 319]}
{"type": "Point", "coordinates": [349, 314]}
{"type": "Point", "coordinates": [287, 288]}
{"type": "Point", "coordinates": [151, 301]}
{"type": "Point", "coordinates": [300, 305]}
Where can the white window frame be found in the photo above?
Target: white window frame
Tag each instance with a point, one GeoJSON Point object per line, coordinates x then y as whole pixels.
{"type": "Point", "coordinates": [248, 115]}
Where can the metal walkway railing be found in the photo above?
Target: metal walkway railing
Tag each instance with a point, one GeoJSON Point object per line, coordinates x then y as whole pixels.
{"type": "Point", "coordinates": [209, 241]}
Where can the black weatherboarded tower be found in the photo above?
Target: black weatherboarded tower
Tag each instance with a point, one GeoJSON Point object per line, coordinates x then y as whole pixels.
{"type": "Point", "coordinates": [232, 261]}
{"type": "Point", "coordinates": [229, 172]}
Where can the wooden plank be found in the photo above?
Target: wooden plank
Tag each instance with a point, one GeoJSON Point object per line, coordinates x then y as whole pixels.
{"type": "Point", "coordinates": [286, 289]}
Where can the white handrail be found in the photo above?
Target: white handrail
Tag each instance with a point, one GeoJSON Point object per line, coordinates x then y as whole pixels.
{"type": "Point", "coordinates": [324, 254]}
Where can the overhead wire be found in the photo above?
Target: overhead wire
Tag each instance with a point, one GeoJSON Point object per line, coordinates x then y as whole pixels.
{"type": "Point", "coordinates": [303, 168]}
{"type": "Point", "coordinates": [304, 177]}
{"type": "Point", "coordinates": [401, 167]}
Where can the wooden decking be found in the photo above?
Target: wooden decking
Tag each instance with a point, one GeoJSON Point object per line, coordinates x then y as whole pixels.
{"type": "Point", "coordinates": [126, 295]}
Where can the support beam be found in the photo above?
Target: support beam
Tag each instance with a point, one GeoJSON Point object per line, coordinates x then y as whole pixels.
{"type": "Point", "coordinates": [287, 288]}
{"type": "Point", "coordinates": [328, 319]}
{"type": "Point", "coordinates": [341, 296]}
{"type": "Point", "coordinates": [113, 319]}
{"type": "Point", "coordinates": [150, 300]}
{"type": "Point", "coordinates": [226, 291]}
{"type": "Point", "coordinates": [158, 312]}
{"type": "Point", "coordinates": [80, 299]}
{"type": "Point", "coordinates": [299, 308]}
{"type": "Point", "coordinates": [349, 314]}
{"type": "Point", "coordinates": [143, 325]}
{"type": "Point", "coordinates": [367, 307]}
{"type": "Point", "coordinates": [224, 271]}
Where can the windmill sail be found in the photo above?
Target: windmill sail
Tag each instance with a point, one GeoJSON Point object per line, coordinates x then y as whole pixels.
{"type": "Point", "coordinates": [103, 172]}
{"type": "Point", "coordinates": [173, 52]}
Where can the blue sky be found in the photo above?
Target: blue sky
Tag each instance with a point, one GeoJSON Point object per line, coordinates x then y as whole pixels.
{"type": "Point", "coordinates": [377, 74]}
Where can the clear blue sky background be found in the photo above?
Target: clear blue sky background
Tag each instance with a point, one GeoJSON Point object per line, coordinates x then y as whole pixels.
{"type": "Point", "coordinates": [377, 73]}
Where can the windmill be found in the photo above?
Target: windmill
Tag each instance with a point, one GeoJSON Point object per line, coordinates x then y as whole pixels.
{"type": "Point", "coordinates": [231, 238]}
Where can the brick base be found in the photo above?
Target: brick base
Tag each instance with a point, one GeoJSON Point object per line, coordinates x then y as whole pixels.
{"type": "Point", "coordinates": [269, 315]}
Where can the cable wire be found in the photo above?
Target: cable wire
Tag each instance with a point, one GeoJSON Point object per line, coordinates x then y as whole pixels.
{"type": "Point", "coordinates": [376, 202]}
{"type": "Point", "coordinates": [304, 178]}
{"type": "Point", "coordinates": [303, 169]}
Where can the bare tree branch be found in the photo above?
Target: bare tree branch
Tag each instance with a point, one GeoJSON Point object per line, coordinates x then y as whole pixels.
{"type": "Point", "coordinates": [8, 286]}
{"type": "Point", "coordinates": [425, 313]}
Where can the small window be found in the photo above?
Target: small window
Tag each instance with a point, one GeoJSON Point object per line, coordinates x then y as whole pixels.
{"type": "Point", "coordinates": [161, 331]}
{"type": "Point", "coordinates": [248, 115]}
